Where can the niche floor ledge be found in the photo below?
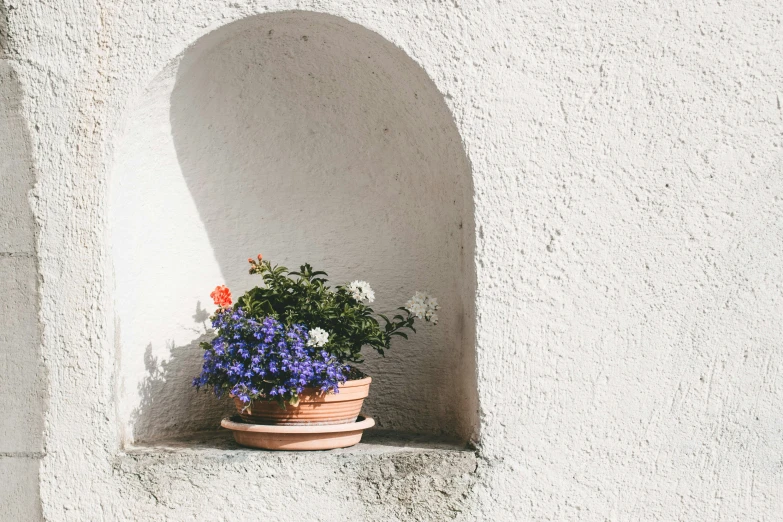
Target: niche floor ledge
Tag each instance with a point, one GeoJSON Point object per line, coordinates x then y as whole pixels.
{"type": "Point", "coordinates": [375, 442]}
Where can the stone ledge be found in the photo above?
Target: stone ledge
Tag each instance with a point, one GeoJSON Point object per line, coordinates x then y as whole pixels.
{"type": "Point", "coordinates": [375, 442]}
{"type": "Point", "coordinates": [408, 476]}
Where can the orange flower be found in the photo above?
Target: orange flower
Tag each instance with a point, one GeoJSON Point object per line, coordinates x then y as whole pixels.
{"type": "Point", "coordinates": [260, 257]}
{"type": "Point", "coordinates": [222, 296]}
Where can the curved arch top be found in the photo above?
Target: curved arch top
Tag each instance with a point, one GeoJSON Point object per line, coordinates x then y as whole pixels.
{"type": "Point", "coordinates": [308, 138]}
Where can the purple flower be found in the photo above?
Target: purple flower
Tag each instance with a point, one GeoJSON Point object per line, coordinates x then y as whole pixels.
{"type": "Point", "coordinates": [253, 359]}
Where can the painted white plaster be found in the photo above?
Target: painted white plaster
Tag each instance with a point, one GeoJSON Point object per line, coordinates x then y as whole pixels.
{"type": "Point", "coordinates": [20, 355]}
{"type": "Point", "coordinates": [17, 232]}
{"type": "Point", "coordinates": [22, 383]}
{"type": "Point", "coordinates": [309, 139]}
{"type": "Point", "coordinates": [19, 498]}
{"type": "Point", "coordinates": [626, 167]}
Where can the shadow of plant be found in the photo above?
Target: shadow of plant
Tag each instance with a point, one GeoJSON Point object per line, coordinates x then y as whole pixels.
{"type": "Point", "coordinates": [169, 405]}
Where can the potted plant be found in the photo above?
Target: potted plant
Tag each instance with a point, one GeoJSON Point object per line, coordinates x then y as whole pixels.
{"type": "Point", "coordinates": [286, 352]}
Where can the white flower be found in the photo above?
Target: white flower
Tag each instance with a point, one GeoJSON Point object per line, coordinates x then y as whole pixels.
{"type": "Point", "coordinates": [361, 291]}
{"type": "Point", "coordinates": [423, 306]}
{"type": "Point", "coordinates": [417, 309]}
{"type": "Point", "coordinates": [318, 337]}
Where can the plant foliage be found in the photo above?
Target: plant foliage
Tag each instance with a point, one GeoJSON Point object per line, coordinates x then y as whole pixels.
{"type": "Point", "coordinates": [294, 331]}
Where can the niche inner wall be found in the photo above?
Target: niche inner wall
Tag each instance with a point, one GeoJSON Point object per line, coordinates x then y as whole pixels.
{"type": "Point", "coordinates": [308, 139]}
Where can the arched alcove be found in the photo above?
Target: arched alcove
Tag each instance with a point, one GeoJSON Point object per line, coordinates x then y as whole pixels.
{"type": "Point", "coordinates": [307, 138]}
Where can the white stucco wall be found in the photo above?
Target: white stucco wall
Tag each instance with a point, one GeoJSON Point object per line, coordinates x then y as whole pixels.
{"type": "Point", "coordinates": [22, 383]}
{"type": "Point", "coordinates": [626, 164]}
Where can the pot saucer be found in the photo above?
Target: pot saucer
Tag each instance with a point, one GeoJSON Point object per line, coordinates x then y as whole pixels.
{"type": "Point", "coordinates": [297, 438]}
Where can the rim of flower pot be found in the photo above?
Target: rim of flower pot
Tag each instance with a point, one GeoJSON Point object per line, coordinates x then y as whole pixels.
{"type": "Point", "coordinates": [316, 395]}
{"type": "Point", "coordinates": [356, 382]}
{"type": "Point", "coordinates": [362, 423]}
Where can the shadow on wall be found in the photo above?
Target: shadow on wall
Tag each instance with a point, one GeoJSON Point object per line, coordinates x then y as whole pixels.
{"type": "Point", "coordinates": [311, 139]}
{"type": "Point", "coordinates": [164, 393]}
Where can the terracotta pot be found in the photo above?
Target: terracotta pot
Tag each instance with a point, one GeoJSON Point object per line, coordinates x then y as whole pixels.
{"type": "Point", "coordinates": [315, 408]}
{"type": "Point", "coordinates": [297, 438]}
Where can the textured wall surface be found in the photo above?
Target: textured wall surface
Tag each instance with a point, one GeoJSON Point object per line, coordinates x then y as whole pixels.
{"type": "Point", "coordinates": [310, 139]}
{"type": "Point", "coordinates": [22, 383]}
{"type": "Point", "coordinates": [626, 164]}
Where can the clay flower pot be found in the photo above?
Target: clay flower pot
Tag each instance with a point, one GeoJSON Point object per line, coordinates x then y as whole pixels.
{"type": "Point", "coordinates": [314, 409]}
{"type": "Point", "coordinates": [297, 438]}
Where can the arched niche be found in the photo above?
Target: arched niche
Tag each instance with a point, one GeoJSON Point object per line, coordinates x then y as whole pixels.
{"type": "Point", "coordinates": [307, 138]}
